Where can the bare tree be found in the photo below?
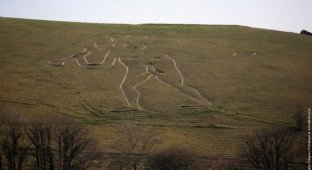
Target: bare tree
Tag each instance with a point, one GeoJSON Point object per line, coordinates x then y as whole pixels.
{"type": "Point", "coordinates": [13, 145]}
{"type": "Point", "coordinates": [2, 129]}
{"type": "Point", "coordinates": [75, 149]}
{"type": "Point", "coordinates": [136, 142]}
{"type": "Point", "coordinates": [4, 119]}
{"type": "Point", "coordinates": [40, 136]}
{"type": "Point", "coordinates": [173, 158]}
{"type": "Point", "coordinates": [62, 144]}
{"type": "Point", "coordinates": [1, 166]}
{"type": "Point", "coordinates": [270, 150]}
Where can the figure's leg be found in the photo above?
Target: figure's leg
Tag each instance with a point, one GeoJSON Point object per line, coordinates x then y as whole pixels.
{"type": "Point", "coordinates": [172, 76]}
{"type": "Point", "coordinates": [122, 86]}
{"type": "Point", "coordinates": [132, 80]}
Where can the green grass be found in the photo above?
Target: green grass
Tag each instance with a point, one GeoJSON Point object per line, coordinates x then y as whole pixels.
{"type": "Point", "coordinates": [247, 91]}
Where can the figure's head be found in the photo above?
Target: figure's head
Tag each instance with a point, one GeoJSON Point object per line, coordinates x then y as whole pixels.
{"type": "Point", "coordinates": [123, 46]}
{"type": "Point", "coordinates": [129, 43]}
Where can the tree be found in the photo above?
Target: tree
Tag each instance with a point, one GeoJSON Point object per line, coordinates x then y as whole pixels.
{"type": "Point", "coordinates": [270, 150]}
{"type": "Point", "coordinates": [2, 128]}
{"type": "Point", "coordinates": [13, 145]}
{"type": "Point", "coordinates": [62, 144]}
{"type": "Point", "coordinates": [136, 142]}
{"type": "Point", "coordinates": [173, 158]}
{"type": "Point", "coordinates": [75, 149]}
{"type": "Point", "coordinates": [40, 136]}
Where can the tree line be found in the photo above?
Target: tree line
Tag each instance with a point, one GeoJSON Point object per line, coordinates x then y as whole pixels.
{"type": "Point", "coordinates": [64, 144]}
{"type": "Point", "coordinates": [42, 145]}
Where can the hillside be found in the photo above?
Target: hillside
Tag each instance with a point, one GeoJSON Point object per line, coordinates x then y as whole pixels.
{"type": "Point", "coordinates": [206, 86]}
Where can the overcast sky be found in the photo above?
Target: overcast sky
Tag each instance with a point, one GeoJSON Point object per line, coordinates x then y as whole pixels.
{"type": "Point", "coordinates": [285, 15]}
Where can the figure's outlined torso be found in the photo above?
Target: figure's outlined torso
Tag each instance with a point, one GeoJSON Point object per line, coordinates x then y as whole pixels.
{"type": "Point", "coordinates": [128, 59]}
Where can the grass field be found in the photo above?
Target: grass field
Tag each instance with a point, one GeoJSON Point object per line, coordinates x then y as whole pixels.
{"type": "Point", "coordinates": [253, 78]}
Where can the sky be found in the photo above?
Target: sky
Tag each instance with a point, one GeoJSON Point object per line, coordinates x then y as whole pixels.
{"type": "Point", "coordinates": [284, 15]}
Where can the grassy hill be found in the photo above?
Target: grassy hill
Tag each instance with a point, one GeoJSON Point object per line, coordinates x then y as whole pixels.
{"type": "Point", "coordinates": [206, 86]}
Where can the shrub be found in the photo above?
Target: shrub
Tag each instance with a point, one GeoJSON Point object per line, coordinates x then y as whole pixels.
{"type": "Point", "coordinates": [270, 149]}
{"type": "Point", "coordinates": [172, 158]}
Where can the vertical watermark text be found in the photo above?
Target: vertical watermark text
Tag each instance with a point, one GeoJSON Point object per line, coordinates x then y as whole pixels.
{"type": "Point", "coordinates": [309, 138]}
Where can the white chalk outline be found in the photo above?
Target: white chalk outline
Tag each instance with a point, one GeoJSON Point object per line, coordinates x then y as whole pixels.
{"type": "Point", "coordinates": [124, 79]}
{"type": "Point", "coordinates": [79, 63]}
{"type": "Point", "coordinates": [139, 94]}
{"type": "Point", "coordinates": [144, 46]}
{"type": "Point", "coordinates": [181, 82]}
{"type": "Point", "coordinates": [62, 60]}
{"type": "Point", "coordinates": [146, 70]}
{"type": "Point", "coordinates": [176, 67]}
{"type": "Point", "coordinates": [182, 79]}
{"type": "Point", "coordinates": [179, 91]}
{"type": "Point", "coordinates": [156, 71]}
{"type": "Point", "coordinates": [103, 61]}
{"type": "Point", "coordinates": [85, 57]}
{"type": "Point", "coordinates": [62, 63]}
{"type": "Point", "coordinates": [113, 61]}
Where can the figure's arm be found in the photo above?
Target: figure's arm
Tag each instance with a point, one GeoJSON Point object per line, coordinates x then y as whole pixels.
{"type": "Point", "coordinates": [74, 55]}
